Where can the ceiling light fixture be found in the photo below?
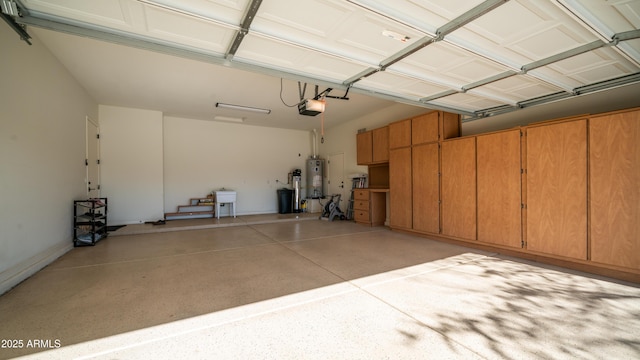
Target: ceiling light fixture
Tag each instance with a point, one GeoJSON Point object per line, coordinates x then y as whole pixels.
{"type": "Point", "coordinates": [243, 108]}
{"type": "Point", "coordinates": [228, 119]}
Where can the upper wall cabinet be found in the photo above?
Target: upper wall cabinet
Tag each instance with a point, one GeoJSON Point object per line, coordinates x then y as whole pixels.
{"type": "Point", "coordinates": [450, 126]}
{"type": "Point", "coordinates": [459, 188]}
{"type": "Point", "coordinates": [400, 134]}
{"type": "Point", "coordinates": [430, 127]}
{"type": "Point", "coordinates": [380, 145]}
{"type": "Point", "coordinates": [373, 146]}
{"type": "Point", "coordinates": [556, 182]}
{"type": "Point", "coordinates": [614, 179]}
{"type": "Point", "coordinates": [434, 126]}
{"type": "Point", "coordinates": [499, 188]}
{"type": "Point", "coordinates": [424, 128]}
{"type": "Point", "coordinates": [364, 145]}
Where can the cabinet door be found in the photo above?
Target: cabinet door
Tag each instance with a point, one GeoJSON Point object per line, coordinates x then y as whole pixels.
{"type": "Point", "coordinates": [557, 189]}
{"type": "Point", "coordinates": [450, 125]}
{"type": "Point", "coordinates": [499, 188]}
{"type": "Point", "coordinates": [400, 134]}
{"type": "Point", "coordinates": [364, 152]}
{"type": "Point", "coordinates": [381, 144]}
{"type": "Point", "coordinates": [424, 128]}
{"type": "Point", "coordinates": [378, 208]}
{"type": "Point", "coordinates": [459, 188]}
{"type": "Point", "coordinates": [426, 188]}
{"type": "Point", "coordinates": [614, 175]}
{"type": "Point", "coordinates": [400, 188]}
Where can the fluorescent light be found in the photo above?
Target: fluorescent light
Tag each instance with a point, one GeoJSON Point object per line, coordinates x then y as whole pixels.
{"type": "Point", "coordinates": [228, 118]}
{"type": "Point", "coordinates": [243, 108]}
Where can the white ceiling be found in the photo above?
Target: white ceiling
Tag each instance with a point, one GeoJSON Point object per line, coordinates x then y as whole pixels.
{"type": "Point", "coordinates": [477, 58]}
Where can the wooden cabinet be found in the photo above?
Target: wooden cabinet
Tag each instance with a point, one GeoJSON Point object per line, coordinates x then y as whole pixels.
{"type": "Point", "coordinates": [450, 126]}
{"type": "Point", "coordinates": [434, 126]}
{"type": "Point", "coordinates": [424, 128]}
{"type": "Point", "coordinates": [426, 187]}
{"type": "Point", "coordinates": [380, 146]}
{"type": "Point", "coordinates": [369, 207]}
{"type": "Point", "coordinates": [565, 190]}
{"type": "Point", "coordinates": [556, 181]}
{"type": "Point", "coordinates": [458, 168]}
{"type": "Point", "coordinates": [400, 197]}
{"type": "Point", "coordinates": [364, 143]}
{"type": "Point", "coordinates": [400, 134]}
{"type": "Point", "coordinates": [361, 206]}
{"type": "Point", "coordinates": [614, 179]}
{"type": "Point", "coordinates": [373, 146]}
{"type": "Point", "coordinates": [499, 188]}
{"type": "Point", "coordinates": [414, 169]}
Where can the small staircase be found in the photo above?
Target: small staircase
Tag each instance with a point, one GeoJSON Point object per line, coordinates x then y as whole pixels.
{"type": "Point", "coordinates": [197, 208]}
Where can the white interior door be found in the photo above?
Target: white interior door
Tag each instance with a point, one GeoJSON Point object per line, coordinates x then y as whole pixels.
{"type": "Point", "coordinates": [336, 185]}
{"type": "Point", "coordinates": [93, 159]}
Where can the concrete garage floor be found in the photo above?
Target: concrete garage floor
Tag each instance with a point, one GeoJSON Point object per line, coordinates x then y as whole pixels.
{"type": "Point", "coordinates": [293, 289]}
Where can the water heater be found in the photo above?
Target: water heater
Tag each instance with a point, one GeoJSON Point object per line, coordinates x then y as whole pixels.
{"type": "Point", "coordinates": [315, 183]}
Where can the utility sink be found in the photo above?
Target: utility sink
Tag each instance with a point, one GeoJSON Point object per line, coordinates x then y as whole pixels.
{"type": "Point", "coordinates": [225, 196]}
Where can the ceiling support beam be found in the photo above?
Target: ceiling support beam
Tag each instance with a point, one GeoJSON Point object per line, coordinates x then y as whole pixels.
{"type": "Point", "coordinates": [439, 95]}
{"type": "Point", "coordinates": [409, 50]}
{"type": "Point", "coordinates": [564, 55]}
{"type": "Point", "coordinates": [626, 35]}
{"type": "Point", "coordinates": [607, 84]}
{"type": "Point", "coordinates": [468, 17]}
{"type": "Point", "coordinates": [359, 76]}
{"type": "Point", "coordinates": [252, 10]}
{"type": "Point", "coordinates": [11, 10]}
{"type": "Point", "coordinates": [24, 36]}
{"type": "Point", "coordinates": [581, 90]}
{"type": "Point", "coordinates": [488, 80]}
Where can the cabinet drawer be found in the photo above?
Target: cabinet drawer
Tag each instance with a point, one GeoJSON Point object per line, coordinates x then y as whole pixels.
{"type": "Point", "coordinates": [361, 205]}
{"type": "Point", "coordinates": [361, 194]}
{"type": "Point", "coordinates": [361, 216]}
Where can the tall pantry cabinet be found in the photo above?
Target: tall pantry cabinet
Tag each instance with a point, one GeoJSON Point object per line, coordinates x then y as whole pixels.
{"type": "Point", "coordinates": [426, 130]}
{"type": "Point", "coordinates": [426, 187]}
{"type": "Point", "coordinates": [614, 188]}
{"type": "Point", "coordinates": [458, 190]}
{"type": "Point", "coordinates": [499, 188]}
{"type": "Point", "coordinates": [400, 195]}
{"type": "Point", "coordinates": [556, 181]}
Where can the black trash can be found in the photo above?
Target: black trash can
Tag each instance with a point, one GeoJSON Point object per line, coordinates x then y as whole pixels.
{"type": "Point", "coordinates": [285, 200]}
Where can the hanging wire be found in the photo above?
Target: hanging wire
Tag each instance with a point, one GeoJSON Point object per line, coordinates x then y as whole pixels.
{"type": "Point", "coordinates": [281, 99]}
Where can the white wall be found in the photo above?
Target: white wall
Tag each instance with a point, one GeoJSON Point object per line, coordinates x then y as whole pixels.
{"type": "Point", "coordinates": [131, 161]}
{"type": "Point", "coordinates": [202, 156]}
{"type": "Point", "coordinates": [42, 150]}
